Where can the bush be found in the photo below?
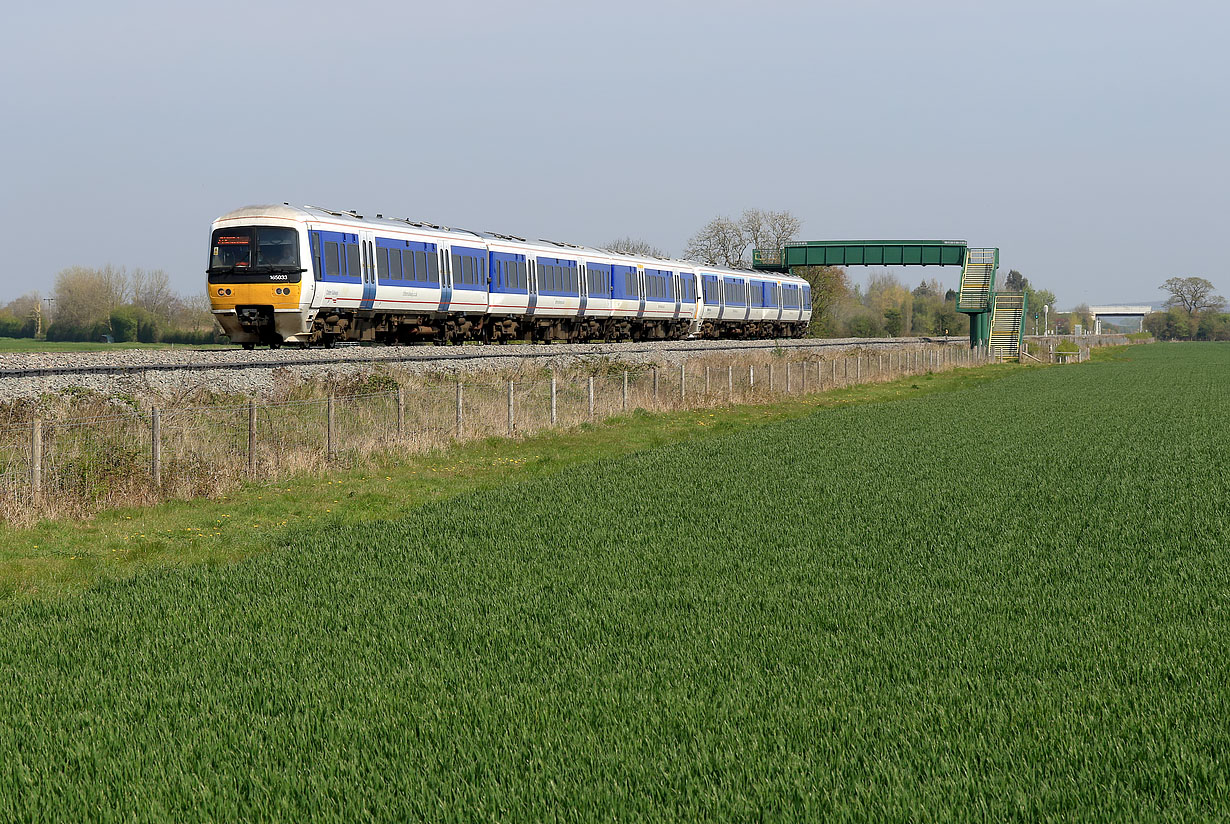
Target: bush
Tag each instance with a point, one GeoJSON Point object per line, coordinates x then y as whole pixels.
{"type": "Point", "coordinates": [12, 326]}
{"type": "Point", "coordinates": [124, 324]}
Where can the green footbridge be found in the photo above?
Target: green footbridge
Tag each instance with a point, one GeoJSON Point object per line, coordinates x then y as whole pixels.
{"type": "Point", "coordinates": [996, 320]}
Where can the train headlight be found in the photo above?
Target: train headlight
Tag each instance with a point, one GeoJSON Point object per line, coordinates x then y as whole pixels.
{"type": "Point", "coordinates": [228, 291]}
{"type": "Point", "coordinates": [221, 292]}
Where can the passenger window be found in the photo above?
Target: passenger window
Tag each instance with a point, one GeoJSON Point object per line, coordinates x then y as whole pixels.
{"type": "Point", "coordinates": [352, 260]}
{"type": "Point", "coordinates": [433, 267]}
{"type": "Point", "coordinates": [333, 262]}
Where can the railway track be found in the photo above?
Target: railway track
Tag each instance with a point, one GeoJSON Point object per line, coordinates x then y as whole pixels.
{"type": "Point", "coordinates": [202, 360]}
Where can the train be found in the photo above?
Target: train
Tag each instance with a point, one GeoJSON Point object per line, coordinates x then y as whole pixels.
{"type": "Point", "coordinates": [310, 276]}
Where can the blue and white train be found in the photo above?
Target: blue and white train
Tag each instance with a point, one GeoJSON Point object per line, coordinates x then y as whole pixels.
{"type": "Point", "coordinates": [311, 276]}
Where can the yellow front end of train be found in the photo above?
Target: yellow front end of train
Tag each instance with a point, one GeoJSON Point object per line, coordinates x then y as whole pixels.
{"type": "Point", "coordinates": [256, 281]}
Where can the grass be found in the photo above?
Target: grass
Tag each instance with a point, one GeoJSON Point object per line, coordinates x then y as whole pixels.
{"type": "Point", "coordinates": [866, 611]}
{"type": "Point", "coordinates": [55, 557]}
{"type": "Point", "coordinates": [23, 345]}
{"type": "Point", "coordinates": [97, 449]}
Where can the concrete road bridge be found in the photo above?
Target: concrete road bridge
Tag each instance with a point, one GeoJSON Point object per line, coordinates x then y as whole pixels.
{"type": "Point", "coordinates": [1119, 311]}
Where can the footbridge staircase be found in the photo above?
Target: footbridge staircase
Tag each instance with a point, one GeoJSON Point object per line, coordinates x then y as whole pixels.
{"type": "Point", "coordinates": [1007, 320]}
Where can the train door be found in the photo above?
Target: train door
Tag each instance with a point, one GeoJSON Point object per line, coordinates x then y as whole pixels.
{"type": "Point", "coordinates": [640, 290]}
{"type": "Point", "coordinates": [367, 270]}
{"type": "Point", "coordinates": [532, 284]}
{"type": "Point", "coordinates": [582, 285]}
{"type": "Point", "coordinates": [446, 278]}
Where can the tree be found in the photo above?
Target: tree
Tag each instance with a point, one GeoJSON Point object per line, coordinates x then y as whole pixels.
{"type": "Point", "coordinates": [720, 243]}
{"type": "Point", "coordinates": [24, 317]}
{"type": "Point", "coordinates": [633, 246]}
{"type": "Point", "coordinates": [829, 289]}
{"type": "Point", "coordinates": [84, 298]}
{"type": "Point", "coordinates": [769, 230]}
{"type": "Point", "coordinates": [724, 242]}
{"type": "Point", "coordinates": [1193, 295]}
{"type": "Point", "coordinates": [885, 295]}
{"type": "Point", "coordinates": [152, 292]}
{"type": "Point", "coordinates": [1081, 314]}
{"type": "Point", "coordinates": [1015, 282]}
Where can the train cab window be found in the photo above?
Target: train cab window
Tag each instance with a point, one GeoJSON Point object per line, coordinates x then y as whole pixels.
{"type": "Point", "coordinates": [352, 260]}
{"type": "Point", "coordinates": [276, 246]}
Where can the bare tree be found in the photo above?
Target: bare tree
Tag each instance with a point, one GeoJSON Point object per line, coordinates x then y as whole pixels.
{"type": "Point", "coordinates": [633, 246]}
{"type": "Point", "coordinates": [193, 312]}
{"type": "Point", "coordinates": [768, 229]}
{"type": "Point", "coordinates": [84, 296]}
{"type": "Point", "coordinates": [1193, 295]}
{"type": "Point", "coordinates": [720, 243]}
{"type": "Point", "coordinates": [724, 242]}
{"type": "Point", "coordinates": [152, 292]}
{"type": "Point", "coordinates": [26, 305]}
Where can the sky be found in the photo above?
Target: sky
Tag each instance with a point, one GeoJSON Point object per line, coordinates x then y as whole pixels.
{"type": "Point", "coordinates": [1087, 140]}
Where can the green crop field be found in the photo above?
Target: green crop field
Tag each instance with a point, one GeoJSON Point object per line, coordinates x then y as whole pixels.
{"type": "Point", "coordinates": [1010, 601]}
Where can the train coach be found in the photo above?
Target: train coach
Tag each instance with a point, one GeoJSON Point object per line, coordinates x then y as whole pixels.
{"type": "Point", "coordinates": [312, 276]}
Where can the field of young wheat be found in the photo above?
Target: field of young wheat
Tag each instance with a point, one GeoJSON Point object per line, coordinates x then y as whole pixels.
{"type": "Point", "coordinates": [1004, 602]}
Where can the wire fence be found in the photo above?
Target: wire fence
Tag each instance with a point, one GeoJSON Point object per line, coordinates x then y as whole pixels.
{"type": "Point", "coordinates": [76, 465]}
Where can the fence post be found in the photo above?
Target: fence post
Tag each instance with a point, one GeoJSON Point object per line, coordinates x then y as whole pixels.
{"type": "Point", "coordinates": [591, 397]}
{"type": "Point", "coordinates": [332, 426]}
{"type": "Point", "coordinates": [655, 384]}
{"type": "Point", "coordinates": [625, 390]}
{"type": "Point", "coordinates": [803, 388]}
{"type": "Point", "coordinates": [155, 449]}
{"type": "Point", "coordinates": [401, 412]}
{"type": "Point", "coordinates": [683, 380]}
{"type": "Point", "coordinates": [834, 362]}
{"type": "Point", "coordinates": [511, 419]}
{"type": "Point", "coordinates": [751, 378]}
{"type": "Point", "coordinates": [252, 434]}
{"type": "Point", "coordinates": [36, 458]}
{"type": "Point", "coordinates": [730, 382]}
{"type": "Point", "coordinates": [787, 377]}
{"type": "Point", "coordinates": [554, 417]}
{"type": "Point", "coordinates": [459, 396]}
{"type": "Point", "coordinates": [858, 368]}
{"type": "Point", "coordinates": [706, 381]}
{"type": "Point", "coordinates": [770, 377]}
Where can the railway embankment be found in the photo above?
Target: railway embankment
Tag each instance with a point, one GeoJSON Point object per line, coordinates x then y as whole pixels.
{"type": "Point", "coordinates": [156, 376]}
